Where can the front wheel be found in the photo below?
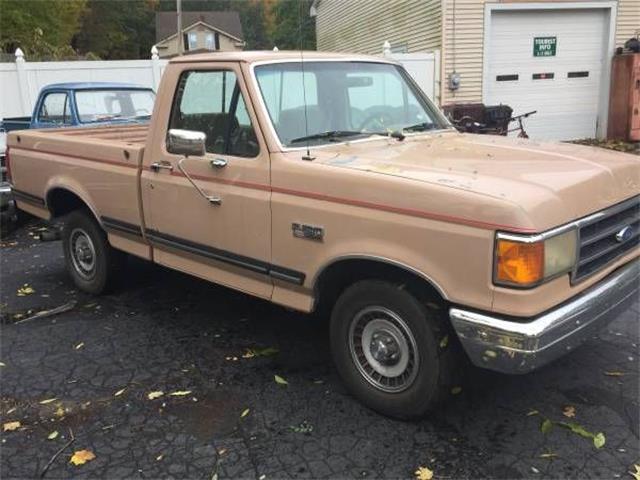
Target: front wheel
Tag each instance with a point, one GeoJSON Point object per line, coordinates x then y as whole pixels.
{"type": "Point", "coordinates": [92, 263]}
{"type": "Point", "coordinates": [390, 350]}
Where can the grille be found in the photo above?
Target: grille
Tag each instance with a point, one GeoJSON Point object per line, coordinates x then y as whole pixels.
{"type": "Point", "coordinates": [599, 240]}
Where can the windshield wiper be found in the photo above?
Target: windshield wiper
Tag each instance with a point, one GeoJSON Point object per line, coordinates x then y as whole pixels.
{"type": "Point", "coordinates": [331, 134]}
{"type": "Point", "coordinates": [420, 127]}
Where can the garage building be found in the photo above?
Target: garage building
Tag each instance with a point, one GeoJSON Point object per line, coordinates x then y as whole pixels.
{"type": "Point", "coordinates": [549, 56]}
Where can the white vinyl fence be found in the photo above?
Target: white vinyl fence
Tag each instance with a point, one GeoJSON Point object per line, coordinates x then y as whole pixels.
{"type": "Point", "coordinates": [424, 67]}
{"type": "Point", "coordinates": [21, 81]}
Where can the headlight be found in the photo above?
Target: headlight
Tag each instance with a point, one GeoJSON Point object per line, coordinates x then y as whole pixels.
{"type": "Point", "coordinates": [522, 261]}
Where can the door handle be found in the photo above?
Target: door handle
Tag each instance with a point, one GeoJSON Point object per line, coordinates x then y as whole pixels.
{"type": "Point", "coordinates": [157, 166]}
{"type": "Point", "coordinates": [218, 163]}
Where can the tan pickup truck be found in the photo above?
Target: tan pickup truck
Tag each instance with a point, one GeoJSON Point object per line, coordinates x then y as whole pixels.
{"type": "Point", "coordinates": [333, 184]}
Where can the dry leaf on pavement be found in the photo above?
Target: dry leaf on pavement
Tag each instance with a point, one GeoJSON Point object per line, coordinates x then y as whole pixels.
{"type": "Point", "coordinates": [25, 290]}
{"type": "Point", "coordinates": [48, 400]}
{"type": "Point", "coordinates": [180, 393]}
{"type": "Point", "coordinates": [82, 456]}
{"type": "Point", "coordinates": [79, 346]}
{"type": "Point", "coordinates": [154, 395]}
{"type": "Point", "coordinates": [423, 473]}
{"type": "Point", "coordinates": [636, 474]}
{"type": "Point", "coordinates": [52, 435]}
{"type": "Point", "coordinates": [279, 380]}
{"type": "Point", "coordinates": [119, 392]}
{"type": "Point", "coordinates": [10, 426]}
{"type": "Point", "coordinates": [569, 411]}
{"type": "Point", "coordinates": [614, 374]}
{"type": "Point", "coordinates": [245, 412]}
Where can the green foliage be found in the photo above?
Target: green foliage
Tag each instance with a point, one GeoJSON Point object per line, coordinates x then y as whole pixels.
{"type": "Point", "coordinates": [292, 27]}
{"type": "Point", "coordinates": [41, 28]}
{"type": "Point", "coordinates": [117, 29]}
{"type": "Point", "coordinates": [120, 29]}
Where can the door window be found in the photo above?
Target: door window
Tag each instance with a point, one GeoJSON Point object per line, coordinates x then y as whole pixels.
{"type": "Point", "coordinates": [211, 102]}
{"type": "Point", "coordinates": [55, 109]}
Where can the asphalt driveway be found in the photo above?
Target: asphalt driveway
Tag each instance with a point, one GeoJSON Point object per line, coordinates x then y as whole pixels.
{"type": "Point", "coordinates": [166, 332]}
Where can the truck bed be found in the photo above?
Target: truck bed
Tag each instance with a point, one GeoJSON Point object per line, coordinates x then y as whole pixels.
{"type": "Point", "coordinates": [99, 165]}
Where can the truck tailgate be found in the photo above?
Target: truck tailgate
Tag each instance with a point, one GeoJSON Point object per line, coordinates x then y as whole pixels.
{"type": "Point", "coordinates": [99, 165]}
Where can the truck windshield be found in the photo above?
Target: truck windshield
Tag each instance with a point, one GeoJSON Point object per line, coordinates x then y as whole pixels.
{"type": "Point", "coordinates": [116, 104]}
{"type": "Point", "coordinates": [344, 101]}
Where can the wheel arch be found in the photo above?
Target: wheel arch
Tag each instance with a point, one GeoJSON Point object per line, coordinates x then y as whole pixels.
{"type": "Point", "coordinates": [62, 200]}
{"type": "Point", "coordinates": [341, 272]}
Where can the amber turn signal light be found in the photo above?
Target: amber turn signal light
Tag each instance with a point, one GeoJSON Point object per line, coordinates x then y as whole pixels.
{"type": "Point", "coordinates": [519, 263]}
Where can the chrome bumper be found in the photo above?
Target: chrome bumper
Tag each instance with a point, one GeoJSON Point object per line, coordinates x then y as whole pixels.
{"type": "Point", "coordinates": [508, 346]}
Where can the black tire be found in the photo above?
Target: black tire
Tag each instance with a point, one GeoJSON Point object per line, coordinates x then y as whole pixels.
{"type": "Point", "coordinates": [99, 274]}
{"type": "Point", "coordinates": [430, 377]}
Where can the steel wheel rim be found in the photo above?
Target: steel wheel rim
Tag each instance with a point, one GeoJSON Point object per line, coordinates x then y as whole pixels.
{"type": "Point", "coordinates": [383, 349]}
{"type": "Point", "coordinates": [83, 253]}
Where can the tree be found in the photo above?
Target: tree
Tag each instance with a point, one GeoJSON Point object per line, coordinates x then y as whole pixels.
{"type": "Point", "coordinates": [116, 29]}
{"type": "Point", "coordinates": [292, 27]}
{"type": "Point", "coordinates": [41, 28]}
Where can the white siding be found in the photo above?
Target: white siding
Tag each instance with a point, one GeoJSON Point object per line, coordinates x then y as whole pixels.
{"type": "Point", "coordinates": [362, 26]}
{"type": "Point", "coordinates": [628, 21]}
{"type": "Point", "coordinates": [463, 52]}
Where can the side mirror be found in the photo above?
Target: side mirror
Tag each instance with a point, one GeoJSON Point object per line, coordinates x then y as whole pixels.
{"type": "Point", "coordinates": [186, 142]}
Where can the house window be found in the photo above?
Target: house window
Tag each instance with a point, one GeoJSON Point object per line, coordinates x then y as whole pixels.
{"type": "Point", "coordinates": [208, 41]}
{"type": "Point", "coordinates": [193, 41]}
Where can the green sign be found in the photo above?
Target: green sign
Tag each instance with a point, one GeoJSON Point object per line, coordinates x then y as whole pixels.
{"type": "Point", "coordinates": [544, 46]}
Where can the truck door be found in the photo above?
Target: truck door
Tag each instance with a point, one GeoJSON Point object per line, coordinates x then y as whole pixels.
{"type": "Point", "coordinates": [229, 241]}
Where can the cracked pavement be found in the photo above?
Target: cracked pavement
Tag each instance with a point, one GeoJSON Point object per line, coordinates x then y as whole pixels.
{"type": "Point", "coordinates": [165, 331]}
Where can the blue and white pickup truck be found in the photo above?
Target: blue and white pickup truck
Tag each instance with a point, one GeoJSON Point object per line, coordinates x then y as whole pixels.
{"type": "Point", "coordinates": [76, 105]}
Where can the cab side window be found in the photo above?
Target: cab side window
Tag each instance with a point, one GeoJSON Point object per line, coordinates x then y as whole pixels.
{"type": "Point", "coordinates": [55, 109]}
{"type": "Point", "coordinates": [211, 102]}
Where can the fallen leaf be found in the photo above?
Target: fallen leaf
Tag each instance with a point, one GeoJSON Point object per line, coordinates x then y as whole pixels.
{"type": "Point", "coordinates": [636, 474]}
{"type": "Point", "coordinates": [532, 412]}
{"type": "Point", "coordinates": [79, 346]}
{"type": "Point", "coordinates": [456, 390]}
{"type": "Point", "coordinates": [82, 456]}
{"type": "Point", "coordinates": [119, 392]}
{"type": "Point", "coordinates": [614, 374]}
{"type": "Point", "coordinates": [2, 364]}
{"type": "Point", "coordinates": [48, 400]}
{"type": "Point", "coordinates": [180, 393]}
{"type": "Point", "coordinates": [279, 380]}
{"type": "Point", "coordinates": [248, 354]}
{"type": "Point", "coordinates": [25, 290]}
{"type": "Point", "coordinates": [222, 451]}
{"type": "Point", "coordinates": [59, 412]}
{"type": "Point", "coordinates": [245, 412]}
{"type": "Point", "coordinates": [159, 457]}
{"type": "Point", "coordinates": [569, 411]}
{"type": "Point", "coordinates": [265, 352]}
{"type": "Point", "coordinates": [444, 342]}
{"type": "Point", "coordinates": [53, 435]}
{"type": "Point", "coordinates": [599, 440]}
{"type": "Point", "coordinates": [262, 477]}
{"type": "Point", "coordinates": [11, 410]}
{"type": "Point", "coordinates": [423, 473]}
{"type": "Point", "coordinates": [10, 426]}
{"type": "Point", "coordinates": [154, 395]}
{"type": "Point", "coordinates": [546, 426]}
{"type": "Point", "coordinates": [549, 455]}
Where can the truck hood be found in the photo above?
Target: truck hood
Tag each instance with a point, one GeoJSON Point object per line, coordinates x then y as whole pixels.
{"type": "Point", "coordinates": [552, 182]}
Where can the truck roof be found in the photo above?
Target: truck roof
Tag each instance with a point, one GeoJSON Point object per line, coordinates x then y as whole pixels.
{"type": "Point", "coordinates": [92, 85]}
{"type": "Point", "coordinates": [253, 56]}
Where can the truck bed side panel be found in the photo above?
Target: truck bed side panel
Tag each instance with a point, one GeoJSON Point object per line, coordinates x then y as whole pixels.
{"type": "Point", "coordinates": [99, 165]}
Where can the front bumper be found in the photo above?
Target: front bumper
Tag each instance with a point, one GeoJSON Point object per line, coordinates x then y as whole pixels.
{"type": "Point", "coordinates": [510, 346]}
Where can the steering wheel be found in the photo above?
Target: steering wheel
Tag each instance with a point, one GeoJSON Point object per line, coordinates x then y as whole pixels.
{"type": "Point", "coordinates": [381, 120]}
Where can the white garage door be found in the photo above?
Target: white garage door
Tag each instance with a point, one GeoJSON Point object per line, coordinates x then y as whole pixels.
{"type": "Point", "coordinates": [550, 61]}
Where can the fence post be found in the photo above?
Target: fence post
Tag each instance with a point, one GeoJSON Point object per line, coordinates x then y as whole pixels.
{"type": "Point", "coordinates": [23, 82]}
{"type": "Point", "coordinates": [386, 49]}
{"type": "Point", "coordinates": [155, 67]}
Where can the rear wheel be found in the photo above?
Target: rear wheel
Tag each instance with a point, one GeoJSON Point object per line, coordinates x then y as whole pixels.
{"type": "Point", "coordinates": [390, 349]}
{"type": "Point", "coordinates": [92, 263]}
